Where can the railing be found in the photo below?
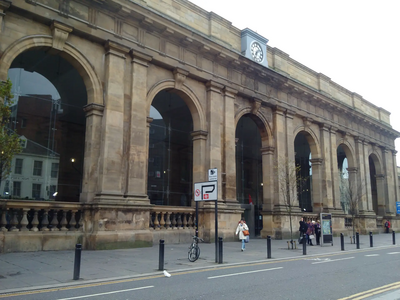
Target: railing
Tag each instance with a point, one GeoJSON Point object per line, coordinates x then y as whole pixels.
{"type": "Point", "coordinates": [23, 215]}
{"type": "Point", "coordinates": [167, 217]}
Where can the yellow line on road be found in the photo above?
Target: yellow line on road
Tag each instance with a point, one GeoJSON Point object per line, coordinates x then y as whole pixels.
{"type": "Point", "coordinates": [372, 292]}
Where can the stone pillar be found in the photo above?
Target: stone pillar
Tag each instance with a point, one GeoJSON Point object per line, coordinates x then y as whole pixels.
{"type": "Point", "coordinates": [335, 171]}
{"type": "Point", "coordinates": [199, 155]}
{"type": "Point", "coordinates": [382, 200]}
{"type": "Point", "coordinates": [353, 184]}
{"type": "Point", "coordinates": [281, 154]}
{"type": "Point", "coordinates": [94, 116]}
{"type": "Point", "coordinates": [326, 180]}
{"type": "Point", "coordinates": [367, 176]}
{"type": "Point", "coordinates": [4, 5]}
{"type": "Point", "coordinates": [317, 196]}
{"type": "Point", "coordinates": [229, 159]}
{"type": "Point", "coordinates": [138, 131]}
{"type": "Point", "coordinates": [268, 178]}
{"type": "Point", "coordinates": [111, 156]}
{"type": "Point", "coordinates": [361, 182]}
{"type": "Point", "coordinates": [214, 113]}
{"type": "Point", "coordinates": [392, 204]}
{"type": "Point", "coordinates": [390, 186]}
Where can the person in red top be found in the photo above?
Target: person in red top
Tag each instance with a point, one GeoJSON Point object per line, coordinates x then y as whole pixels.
{"type": "Point", "coordinates": [387, 226]}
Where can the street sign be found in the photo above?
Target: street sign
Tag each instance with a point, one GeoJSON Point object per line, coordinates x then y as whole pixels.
{"type": "Point", "coordinates": [212, 174]}
{"type": "Point", "coordinates": [398, 207]}
{"type": "Point", "coordinates": [206, 191]}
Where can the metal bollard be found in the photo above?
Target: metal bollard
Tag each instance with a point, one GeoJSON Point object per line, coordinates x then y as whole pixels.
{"type": "Point", "coordinates": [77, 262]}
{"type": "Point", "coordinates": [394, 237]}
{"type": "Point", "coordinates": [220, 250]}
{"type": "Point", "coordinates": [358, 240]}
{"type": "Point", "coordinates": [304, 245]}
{"type": "Point", "coordinates": [161, 256]}
{"type": "Point", "coordinates": [342, 241]}
{"type": "Point", "coordinates": [268, 246]}
{"type": "Point", "coordinates": [371, 242]}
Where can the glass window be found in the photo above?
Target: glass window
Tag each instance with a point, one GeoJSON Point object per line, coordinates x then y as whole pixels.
{"type": "Point", "coordinates": [17, 188]}
{"type": "Point", "coordinates": [36, 191]}
{"type": "Point", "coordinates": [54, 170]}
{"type": "Point", "coordinates": [18, 166]}
{"type": "Point", "coordinates": [37, 168]}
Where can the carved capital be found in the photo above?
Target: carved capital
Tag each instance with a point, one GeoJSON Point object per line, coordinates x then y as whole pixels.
{"type": "Point", "coordinates": [214, 86]}
{"type": "Point", "coordinates": [180, 77]}
{"type": "Point", "coordinates": [199, 135]}
{"type": "Point", "coordinates": [229, 92]}
{"type": "Point", "coordinates": [113, 48]}
{"type": "Point", "coordinates": [255, 105]}
{"type": "Point", "coordinates": [352, 170]}
{"type": "Point", "coordinates": [267, 150]}
{"type": "Point", "coordinates": [93, 109]}
{"type": "Point", "coordinates": [307, 122]}
{"type": "Point", "coordinates": [316, 161]}
{"type": "Point", "coordinates": [60, 34]}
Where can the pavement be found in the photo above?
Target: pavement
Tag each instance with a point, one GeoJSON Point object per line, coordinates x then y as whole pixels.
{"type": "Point", "coordinates": [49, 269]}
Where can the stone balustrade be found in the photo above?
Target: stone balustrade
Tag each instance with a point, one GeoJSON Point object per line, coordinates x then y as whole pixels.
{"type": "Point", "coordinates": [168, 218]}
{"type": "Point", "coordinates": [45, 216]}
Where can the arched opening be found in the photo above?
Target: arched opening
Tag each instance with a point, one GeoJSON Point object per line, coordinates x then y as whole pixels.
{"type": "Point", "coordinates": [374, 187]}
{"type": "Point", "coordinates": [249, 176]}
{"type": "Point", "coordinates": [170, 162]}
{"type": "Point", "coordinates": [344, 179]}
{"type": "Point", "coordinates": [47, 114]}
{"type": "Point", "coordinates": [303, 163]}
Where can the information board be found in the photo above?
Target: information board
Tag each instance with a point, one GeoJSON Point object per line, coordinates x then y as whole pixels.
{"type": "Point", "coordinates": [326, 229]}
{"type": "Point", "coordinates": [398, 207]}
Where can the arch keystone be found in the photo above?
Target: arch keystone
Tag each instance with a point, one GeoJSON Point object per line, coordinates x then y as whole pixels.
{"type": "Point", "coordinates": [60, 34]}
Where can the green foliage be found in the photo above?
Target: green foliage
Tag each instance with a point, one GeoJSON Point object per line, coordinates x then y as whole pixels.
{"type": "Point", "coordinates": [9, 140]}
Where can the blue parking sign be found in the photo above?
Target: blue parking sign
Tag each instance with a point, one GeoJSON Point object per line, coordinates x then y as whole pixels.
{"type": "Point", "coordinates": [398, 207]}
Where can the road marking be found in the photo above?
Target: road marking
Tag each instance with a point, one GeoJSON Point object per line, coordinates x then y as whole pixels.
{"type": "Point", "coordinates": [372, 292]}
{"type": "Point", "coordinates": [394, 253]}
{"type": "Point", "coordinates": [242, 273]}
{"type": "Point", "coordinates": [331, 260]}
{"type": "Point", "coordinates": [372, 255]}
{"type": "Point", "coordinates": [108, 293]}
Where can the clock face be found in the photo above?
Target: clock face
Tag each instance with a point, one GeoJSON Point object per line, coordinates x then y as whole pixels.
{"type": "Point", "coordinates": [256, 52]}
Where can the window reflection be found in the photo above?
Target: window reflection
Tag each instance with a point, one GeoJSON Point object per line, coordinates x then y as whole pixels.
{"type": "Point", "coordinates": [47, 114]}
{"type": "Point", "coordinates": [170, 152]}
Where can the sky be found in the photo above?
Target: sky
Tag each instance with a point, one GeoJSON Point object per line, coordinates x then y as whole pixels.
{"type": "Point", "coordinates": [355, 43]}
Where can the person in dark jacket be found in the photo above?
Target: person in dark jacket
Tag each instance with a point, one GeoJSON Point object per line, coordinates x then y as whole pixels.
{"type": "Point", "coordinates": [310, 233]}
{"type": "Point", "coordinates": [302, 229]}
{"type": "Point", "coordinates": [317, 229]}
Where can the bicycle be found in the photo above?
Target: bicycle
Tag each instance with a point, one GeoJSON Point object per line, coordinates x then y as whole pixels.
{"type": "Point", "coordinates": [194, 249]}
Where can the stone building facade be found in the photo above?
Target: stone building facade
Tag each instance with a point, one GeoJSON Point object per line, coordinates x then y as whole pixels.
{"type": "Point", "coordinates": [142, 98]}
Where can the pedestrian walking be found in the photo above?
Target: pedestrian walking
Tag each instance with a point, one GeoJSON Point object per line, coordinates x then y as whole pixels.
{"type": "Point", "coordinates": [310, 233]}
{"type": "Point", "coordinates": [243, 230]}
{"type": "Point", "coordinates": [317, 229]}
{"type": "Point", "coordinates": [302, 230]}
{"type": "Point", "coordinates": [387, 226]}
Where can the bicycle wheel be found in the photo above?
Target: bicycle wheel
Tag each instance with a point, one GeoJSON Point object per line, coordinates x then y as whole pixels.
{"type": "Point", "coordinates": [194, 253]}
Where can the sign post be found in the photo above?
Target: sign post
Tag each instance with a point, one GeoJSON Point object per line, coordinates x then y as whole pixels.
{"type": "Point", "coordinates": [213, 176]}
{"type": "Point", "coordinates": [326, 226]}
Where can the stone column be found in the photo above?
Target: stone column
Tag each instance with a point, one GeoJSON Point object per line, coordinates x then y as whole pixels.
{"type": "Point", "coordinates": [138, 131]}
{"type": "Point", "coordinates": [281, 155]}
{"type": "Point", "coordinates": [367, 178]}
{"type": "Point", "coordinates": [326, 180]}
{"type": "Point", "coordinates": [94, 116]}
{"type": "Point", "coordinates": [382, 200]}
{"type": "Point", "coordinates": [229, 159]}
{"type": "Point", "coordinates": [335, 171]}
{"type": "Point", "coordinates": [214, 113]}
{"type": "Point", "coordinates": [392, 204]}
{"type": "Point", "coordinates": [317, 196]}
{"type": "Point", "coordinates": [354, 184]}
{"type": "Point", "coordinates": [199, 156]}
{"type": "Point", "coordinates": [361, 182]}
{"type": "Point", "coordinates": [390, 186]}
{"type": "Point", "coordinates": [268, 178]}
{"type": "Point", "coordinates": [110, 169]}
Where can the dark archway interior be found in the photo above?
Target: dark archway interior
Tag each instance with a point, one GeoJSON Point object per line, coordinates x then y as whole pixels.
{"type": "Point", "coordinates": [170, 151]}
{"type": "Point", "coordinates": [249, 169]}
{"type": "Point", "coordinates": [48, 114]}
{"type": "Point", "coordinates": [302, 158]}
{"type": "Point", "coordinates": [374, 189]}
{"type": "Point", "coordinates": [343, 178]}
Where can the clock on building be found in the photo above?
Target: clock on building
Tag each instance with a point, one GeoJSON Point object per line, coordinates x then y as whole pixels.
{"type": "Point", "coordinates": [256, 52]}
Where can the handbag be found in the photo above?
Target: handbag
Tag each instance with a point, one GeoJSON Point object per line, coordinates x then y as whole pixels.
{"type": "Point", "coordinates": [246, 232]}
{"type": "Point", "coordinates": [311, 236]}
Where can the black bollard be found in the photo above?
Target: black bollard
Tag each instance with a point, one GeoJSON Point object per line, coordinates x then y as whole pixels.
{"type": "Point", "coordinates": [371, 242]}
{"type": "Point", "coordinates": [161, 256]}
{"type": "Point", "coordinates": [394, 237]}
{"type": "Point", "coordinates": [342, 241]}
{"type": "Point", "coordinates": [77, 262]}
{"type": "Point", "coordinates": [304, 245]}
{"type": "Point", "coordinates": [268, 246]}
{"type": "Point", "coordinates": [358, 240]}
{"type": "Point", "coordinates": [220, 260]}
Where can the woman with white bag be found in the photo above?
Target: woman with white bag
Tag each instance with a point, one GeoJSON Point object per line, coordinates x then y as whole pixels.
{"type": "Point", "coordinates": [243, 231]}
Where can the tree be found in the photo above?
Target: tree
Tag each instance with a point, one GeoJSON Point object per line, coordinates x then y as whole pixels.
{"type": "Point", "coordinates": [351, 195]}
{"type": "Point", "coordinates": [291, 184]}
{"type": "Point", "coordinates": [9, 140]}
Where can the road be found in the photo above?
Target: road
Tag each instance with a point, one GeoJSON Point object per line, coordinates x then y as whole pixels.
{"type": "Point", "coordinates": [362, 274]}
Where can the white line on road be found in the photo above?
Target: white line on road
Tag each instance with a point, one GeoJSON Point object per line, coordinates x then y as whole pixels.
{"type": "Point", "coordinates": [101, 294]}
{"type": "Point", "coordinates": [332, 260]}
{"type": "Point", "coordinates": [235, 274]}
{"type": "Point", "coordinates": [372, 255]}
{"type": "Point", "coordinates": [394, 253]}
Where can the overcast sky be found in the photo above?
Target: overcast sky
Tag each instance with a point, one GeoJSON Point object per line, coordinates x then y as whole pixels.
{"type": "Point", "coordinates": [355, 43]}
